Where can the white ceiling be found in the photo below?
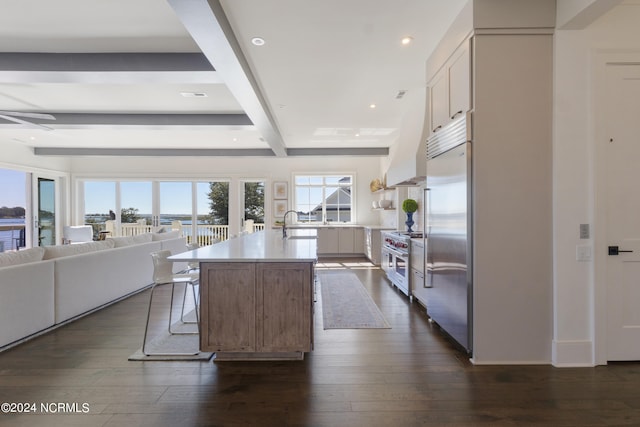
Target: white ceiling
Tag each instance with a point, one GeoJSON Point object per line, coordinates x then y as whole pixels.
{"type": "Point", "coordinates": [309, 86]}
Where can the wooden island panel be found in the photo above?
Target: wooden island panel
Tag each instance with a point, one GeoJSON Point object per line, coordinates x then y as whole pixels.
{"type": "Point", "coordinates": [284, 307]}
{"type": "Point", "coordinates": [227, 306]}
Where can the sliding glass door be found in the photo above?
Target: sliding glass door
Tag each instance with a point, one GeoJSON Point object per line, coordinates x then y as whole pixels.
{"type": "Point", "coordinates": [45, 221]}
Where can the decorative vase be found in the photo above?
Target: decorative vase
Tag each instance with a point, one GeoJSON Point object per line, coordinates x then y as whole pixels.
{"type": "Point", "coordinates": [409, 222]}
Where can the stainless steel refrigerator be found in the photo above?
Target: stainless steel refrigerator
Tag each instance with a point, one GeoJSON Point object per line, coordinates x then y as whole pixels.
{"type": "Point", "coordinates": [449, 293]}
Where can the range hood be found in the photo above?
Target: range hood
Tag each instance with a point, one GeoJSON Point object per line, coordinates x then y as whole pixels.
{"type": "Point", "coordinates": [408, 166]}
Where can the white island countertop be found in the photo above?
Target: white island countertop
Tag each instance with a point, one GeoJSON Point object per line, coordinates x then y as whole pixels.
{"type": "Point", "coordinates": [262, 246]}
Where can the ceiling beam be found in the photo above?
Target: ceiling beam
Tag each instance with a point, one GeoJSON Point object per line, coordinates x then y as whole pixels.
{"type": "Point", "coordinates": [344, 151]}
{"type": "Point", "coordinates": [106, 68]}
{"type": "Point", "coordinates": [208, 25]}
{"type": "Point", "coordinates": [127, 61]}
{"type": "Point", "coordinates": [153, 152]}
{"type": "Point", "coordinates": [84, 120]}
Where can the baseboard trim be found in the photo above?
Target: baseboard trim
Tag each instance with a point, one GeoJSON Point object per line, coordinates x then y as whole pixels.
{"type": "Point", "coordinates": [572, 354]}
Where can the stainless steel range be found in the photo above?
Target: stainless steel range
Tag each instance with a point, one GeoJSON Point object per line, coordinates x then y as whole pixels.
{"type": "Point", "coordinates": [395, 258]}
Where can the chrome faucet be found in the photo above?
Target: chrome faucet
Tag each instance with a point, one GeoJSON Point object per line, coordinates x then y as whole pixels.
{"type": "Point", "coordinates": [284, 223]}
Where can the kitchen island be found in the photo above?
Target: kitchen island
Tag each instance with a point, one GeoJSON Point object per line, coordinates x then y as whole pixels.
{"type": "Point", "coordinates": [256, 295]}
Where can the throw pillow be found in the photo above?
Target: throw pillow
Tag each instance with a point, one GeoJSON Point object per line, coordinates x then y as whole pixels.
{"type": "Point", "coordinates": [142, 238]}
{"type": "Point", "coordinates": [21, 257]}
{"type": "Point", "coordinates": [166, 236]}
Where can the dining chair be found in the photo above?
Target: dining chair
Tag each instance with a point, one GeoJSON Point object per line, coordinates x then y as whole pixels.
{"type": "Point", "coordinates": [163, 275]}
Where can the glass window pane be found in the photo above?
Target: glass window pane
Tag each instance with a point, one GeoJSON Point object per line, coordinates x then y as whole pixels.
{"type": "Point", "coordinates": [99, 204]}
{"type": "Point", "coordinates": [254, 202]}
{"type": "Point", "coordinates": [210, 226]}
{"type": "Point", "coordinates": [175, 203]}
{"type": "Point", "coordinates": [332, 180]}
{"type": "Point", "coordinates": [13, 204]}
{"type": "Point", "coordinates": [218, 198]}
{"type": "Point", "coordinates": [135, 203]}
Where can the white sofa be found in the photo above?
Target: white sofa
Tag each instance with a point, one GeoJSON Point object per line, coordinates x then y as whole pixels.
{"type": "Point", "coordinates": [26, 296]}
{"type": "Point", "coordinates": [72, 280]}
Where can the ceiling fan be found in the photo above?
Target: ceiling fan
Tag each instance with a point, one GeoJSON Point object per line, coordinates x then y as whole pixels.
{"type": "Point", "coordinates": [14, 116]}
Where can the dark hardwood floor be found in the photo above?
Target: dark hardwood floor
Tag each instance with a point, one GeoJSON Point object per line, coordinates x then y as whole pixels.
{"type": "Point", "coordinates": [408, 375]}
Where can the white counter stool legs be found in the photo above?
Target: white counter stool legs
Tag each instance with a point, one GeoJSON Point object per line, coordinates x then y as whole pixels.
{"type": "Point", "coordinates": [192, 268]}
{"type": "Point", "coordinates": [163, 275]}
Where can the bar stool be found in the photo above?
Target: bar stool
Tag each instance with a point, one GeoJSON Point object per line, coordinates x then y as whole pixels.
{"type": "Point", "coordinates": [163, 275]}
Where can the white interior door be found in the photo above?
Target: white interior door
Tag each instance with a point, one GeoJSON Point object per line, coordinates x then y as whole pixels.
{"type": "Point", "coordinates": [623, 212]}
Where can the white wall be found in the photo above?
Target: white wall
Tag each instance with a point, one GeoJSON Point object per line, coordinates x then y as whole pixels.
{"type": "Point", "coordinates": [575, 291]}
{"type": "Point", "coordinates": [20, 157]}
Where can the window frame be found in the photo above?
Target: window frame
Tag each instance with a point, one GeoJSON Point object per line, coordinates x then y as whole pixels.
{"type": "Point", "coordinates": [324, 186]}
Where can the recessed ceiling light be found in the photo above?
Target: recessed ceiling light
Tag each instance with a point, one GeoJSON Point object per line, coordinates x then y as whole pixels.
{"type": "Point", "coordinates": [257, 41]}
{"type": "Point", "coordinates": [406, 40]}
{"type": "Point", "coordinates": [193, 94]}
{"type": "Point", "coordinates": [372, 106]}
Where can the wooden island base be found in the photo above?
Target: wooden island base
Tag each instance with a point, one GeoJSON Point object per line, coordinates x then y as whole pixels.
{"type": "Point", "coordinates": [230, 356]}
{"type": "Point", "coordinates": [256, 295]}
{"type": "Point", "coordinates": [256, 310]}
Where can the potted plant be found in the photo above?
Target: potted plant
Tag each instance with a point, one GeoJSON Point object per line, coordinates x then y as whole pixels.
{"type": "Point", "coordinates": [409, 206]}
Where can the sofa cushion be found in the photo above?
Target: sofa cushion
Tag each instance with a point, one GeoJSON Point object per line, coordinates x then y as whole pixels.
{"type": "Point", "coordinates": [120, 242]}
{"type": "Point", "coordinates": [166, 236]}
{"type": "Point", "coordinates": [21, 257]}
{"type": "Point", "coordinates": [52, 252]}
{"type": "Point", "coordinates": [142, 238]}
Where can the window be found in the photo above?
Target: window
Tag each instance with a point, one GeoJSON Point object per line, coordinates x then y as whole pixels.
{"type": "Point", "coordinates": [323, 198]}
{"type": "Point", "coordinates": [13, 207]}
{"type": "Point", "coordinates": [253, 205]}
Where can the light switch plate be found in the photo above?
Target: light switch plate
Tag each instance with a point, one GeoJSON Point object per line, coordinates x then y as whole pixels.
{"type": "Point", "coordinates": [584, 231]}
{"type": "Point", "coordinates": [583, 253]}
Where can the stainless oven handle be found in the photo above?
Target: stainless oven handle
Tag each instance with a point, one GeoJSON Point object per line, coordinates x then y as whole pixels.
{"type": "Point", "coordinates": [396, 252]}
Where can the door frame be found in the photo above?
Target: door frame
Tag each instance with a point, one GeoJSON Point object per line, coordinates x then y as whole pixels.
{"type": "Point", "coordinates": [601, 59]}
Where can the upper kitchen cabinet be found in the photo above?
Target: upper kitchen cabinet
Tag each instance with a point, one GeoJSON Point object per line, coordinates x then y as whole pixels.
{"type": "Point", "coordinates": [439, 101]}
{"type": "Point", "coordinates": [460, 81]}
{"type": "Point", "coordinates": [450, 89]}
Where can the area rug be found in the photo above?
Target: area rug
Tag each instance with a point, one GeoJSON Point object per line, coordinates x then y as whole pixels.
{"type": "Point", "coordinates": [347, 305]}
{"type": "Point", "coordinates": [165, 344]}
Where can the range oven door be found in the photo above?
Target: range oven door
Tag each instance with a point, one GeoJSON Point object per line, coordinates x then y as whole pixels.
{"type": "Point", "coordinates": [387, 261]}
{"type": "Point", "coordinates": [395, 264]}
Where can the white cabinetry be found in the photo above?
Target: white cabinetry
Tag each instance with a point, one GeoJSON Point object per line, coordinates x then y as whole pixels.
{"type": "Point", "coordinates": [328, 240]}
{"type": "Point", "coordinates": [345, 240]}
{"type": "Point", "coordinates": [373, 244]}
{"type": "Point", "coordinates": [416, 263]}
{"type": "Point", "coordinates": [358, 240]}
{"type": "Point", "coordinates": [450, 89]}
{"type": "Point", "coordinates": [340, 240]}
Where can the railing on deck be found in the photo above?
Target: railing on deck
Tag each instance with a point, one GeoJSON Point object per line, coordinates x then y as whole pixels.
{"type": "Point", "coordinates": [206, 234]}
{"type": "Point", "coordinates": [10, 236]}
{"type": "Point", "coordinates": [134, 229]}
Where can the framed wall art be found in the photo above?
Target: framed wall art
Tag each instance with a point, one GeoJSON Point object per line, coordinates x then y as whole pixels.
{"type": "Point", "coordinates": [280, 190]}
{"type": "Point", "coordinates": [279, 208]}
